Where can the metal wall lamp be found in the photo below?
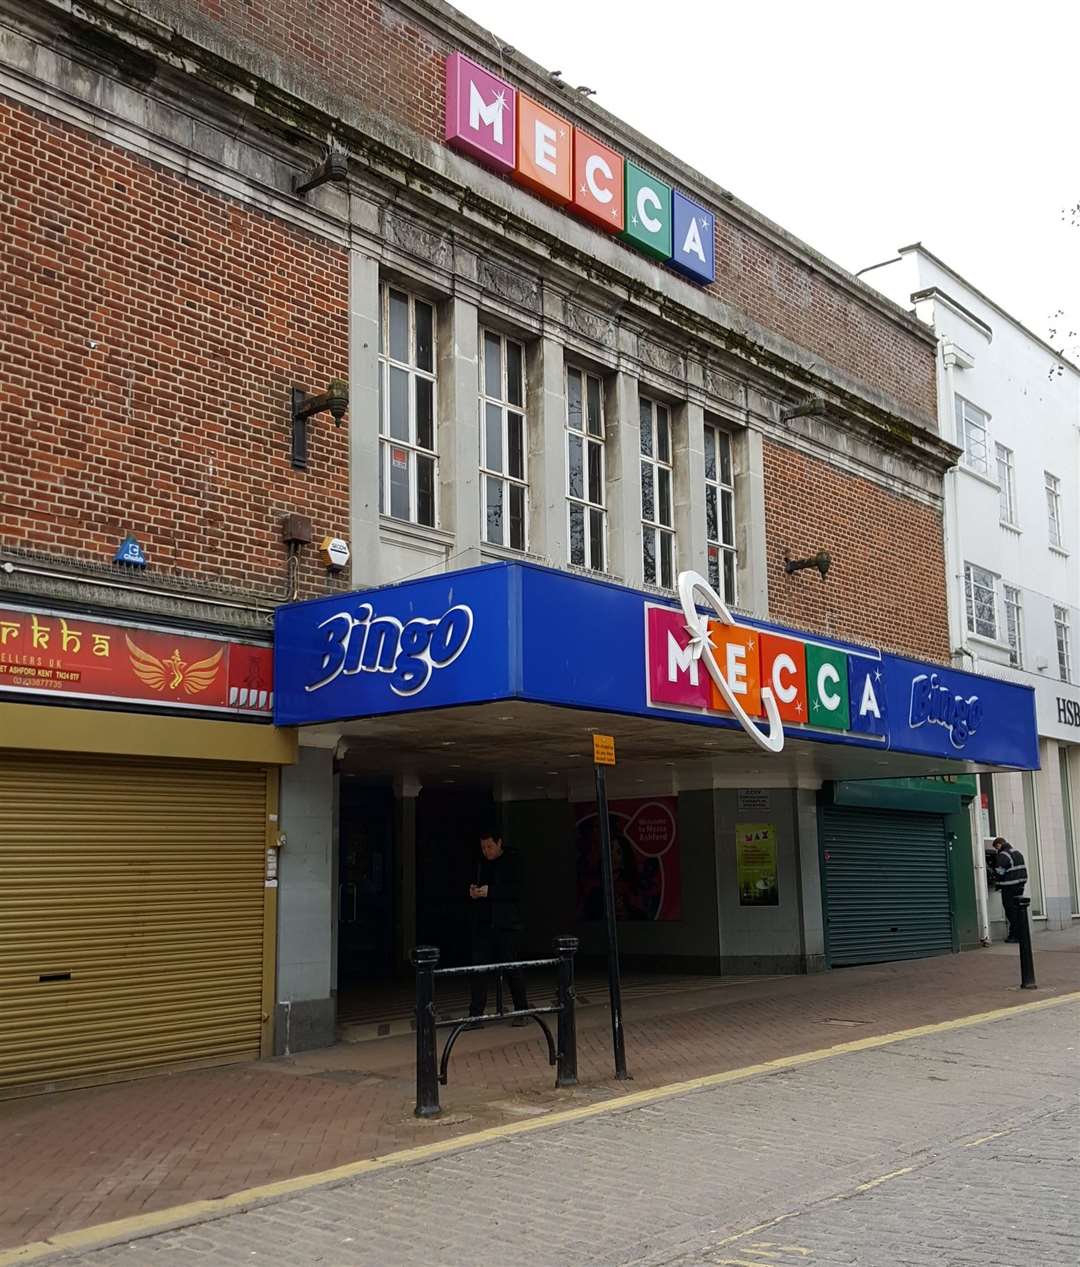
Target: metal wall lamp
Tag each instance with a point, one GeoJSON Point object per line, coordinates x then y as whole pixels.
{"type": "Point", "coordinates": [821, 561]}
{"type": "Point", "coordinates": [334, 400]}
{"type": "Point", "coordinates": [334, 169]}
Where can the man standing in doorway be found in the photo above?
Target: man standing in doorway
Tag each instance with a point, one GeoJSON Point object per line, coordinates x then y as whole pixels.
{"type": "Point", "coordinates": [496, 922]}
{"type": "Point", "coordinates": [1010, 875]}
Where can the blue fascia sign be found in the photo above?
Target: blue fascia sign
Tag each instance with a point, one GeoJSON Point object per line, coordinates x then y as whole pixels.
{"type": "Point", "coordinates": [518, 631]}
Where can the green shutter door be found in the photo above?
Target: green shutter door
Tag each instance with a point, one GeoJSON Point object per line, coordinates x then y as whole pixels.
{"type": "Point", "coordinates": [886, 885]}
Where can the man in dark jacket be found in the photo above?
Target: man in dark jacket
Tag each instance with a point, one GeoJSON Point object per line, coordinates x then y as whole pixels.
{"type": "Point", "coordinates": [496, 919]}
{"type": "Point", "coordinates": [1010, 876]}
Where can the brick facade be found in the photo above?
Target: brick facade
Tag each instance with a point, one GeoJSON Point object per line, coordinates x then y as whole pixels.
{"type": "Point", "coordinates": [150, 333]}
{"type": "Point", "coordinates": [885, 585]}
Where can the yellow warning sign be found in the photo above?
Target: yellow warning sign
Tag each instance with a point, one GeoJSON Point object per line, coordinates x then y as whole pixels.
{"type": "Point", "coordinates": [603, 749]}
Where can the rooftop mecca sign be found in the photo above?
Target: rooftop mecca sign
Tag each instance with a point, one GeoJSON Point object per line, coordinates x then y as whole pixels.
{"type": "Point", "coordinates": [507, 131]}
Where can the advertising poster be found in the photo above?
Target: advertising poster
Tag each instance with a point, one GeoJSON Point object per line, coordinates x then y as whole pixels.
{"type": "Point", "coordinates": [645, 859]}
{"type": "Point", "coordinates": [755, 852]}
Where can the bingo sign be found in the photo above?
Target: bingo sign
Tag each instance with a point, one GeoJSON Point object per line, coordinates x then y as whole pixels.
{"type": "Point", "coordinates": [502, 128]}
{"type": "Point", "coordinates": [645, 860]}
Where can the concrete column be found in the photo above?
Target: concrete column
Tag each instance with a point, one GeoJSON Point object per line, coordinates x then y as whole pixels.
{"type": "Point", "coordinates": [811, 906]}
{"type": "Point", "coordinates": [752, 570]}
{"type": "Point", "coordinates": [623, 423]}
{"type": "Point", "coordinates": [688, 454]}
{"type": "Point", "coordinates": [306, 908]}
{"type": "Point", "coordinates": [406, 790]}
{"type": "Point", "coordinates": [459, 428]}
{"type": "Point", "coordinates": [1054, 838]}
{"type": "Point", "coordinates": [363, 418]}
{"type": "Point", "coordinates": [546, 402]}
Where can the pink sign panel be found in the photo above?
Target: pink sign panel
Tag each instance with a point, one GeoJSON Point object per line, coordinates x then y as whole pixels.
{"type": "Point", "coordinates": [675, 677]}
{"type": "Point", "coordinates": [481, 114]}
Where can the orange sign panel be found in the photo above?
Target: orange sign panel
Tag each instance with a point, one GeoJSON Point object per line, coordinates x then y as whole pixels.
{"type": "Point", "coordinates": [599, 195]}
{"type": "Point", "coordinates": [737, 653]}
{"type": "Point", "coordinates": [545, 151]}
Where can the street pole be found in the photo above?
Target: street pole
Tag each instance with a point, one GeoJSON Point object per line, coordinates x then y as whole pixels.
{"type": "Point", "coordinates": [614, 987]}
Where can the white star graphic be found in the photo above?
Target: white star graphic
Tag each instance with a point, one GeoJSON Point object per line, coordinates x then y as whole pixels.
{"type": "Point", "coordinates": [584, 189]}
{"type": "Point", "coordinates": [500, 101]}
{"type": "Point", "coordinates": [798, 708]}
{"type": "Point", "coordinates": [633, 220]}
{"type": "Point", "coordinates": [699, 636]}
{"type": "Point", "coordinates": [750, 644]}
{"type": "Point", "coordinates": [877, 676]}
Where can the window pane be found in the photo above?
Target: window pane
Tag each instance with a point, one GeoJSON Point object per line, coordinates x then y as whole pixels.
{"type": "Point", "coordinates": [648, 554]}
{"type": "Point", "coordinates": [493, 455]}
{"type": "Point", "coordinates": [515, 431]}
{"type": "Point", "coordinates": [425, 491]}
{"type": "Point", "coordinates": [648, 503]}
{"type": "Point", "coordinates": [517, 517]}
{"type": "Point", "coordinates": [576, 472]}
{"type": "Point", "coordinates": [667, 563]}
{"type": "Point", "coordinates": [384, 457]}
{"type": "Point", "coordinates": [714, 569]}
{"type": "Point", "coordinates": [493, 366]}
{"type": "Point", "coordinates": [723, 444]}
{"type": "Point", "coordinates": [399, 404]}
{"type": "Point", "coordinates": [573, 399]}
{"type": "Point", "coordinates": [710, 453]}
{"type": "Point", "coordinates": [646, 428]}
{"type": "Point", "coordinates": [596, 540]}
{"type": "Point", "coordinates": [596, 418]}
{"type": "Point", "coordinates": [664, 499]}
{"type": "Point", "coordinates": [399, 482]}
{"type": "Point", "coordinates": [425, 336]}
{"type": "Point", "coordinates": [399, 326]}
{"type": "Point", "coordinates": [382, 399]}
{"type": "Point", "coordinates": [596, 474]}
{"type": "Point", "coordinates": [711, 525]}
{"type": "Point", "coordinates": [515, 379]}
{"type": "Point", "coordinates": [727, 519]}
{"type": "Point", "coordinates": [425, 414]}
{"type": "Point", "coordinates": [494, 520]}
{"type": "Point", "coordinates": [577, 534]}
{"type": "Point", "coordinates": [729, 595]}
{"type": "Point", "coordinates": [663, 435]}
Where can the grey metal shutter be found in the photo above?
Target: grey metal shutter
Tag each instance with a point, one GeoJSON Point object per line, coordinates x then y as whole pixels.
{"type": "Point", "coordinates": [886, 885]}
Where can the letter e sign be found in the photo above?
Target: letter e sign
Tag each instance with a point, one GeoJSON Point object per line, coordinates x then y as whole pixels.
{"type": "Point", "coordinates": [545, 151]}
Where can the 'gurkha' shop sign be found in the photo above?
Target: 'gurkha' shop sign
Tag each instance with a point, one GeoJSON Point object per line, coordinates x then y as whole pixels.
{"type": "Point", "coordinates": [506, 130]}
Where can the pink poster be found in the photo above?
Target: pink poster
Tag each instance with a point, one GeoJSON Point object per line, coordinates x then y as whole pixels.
{"type": "Point", "coordinates": [645, 858]}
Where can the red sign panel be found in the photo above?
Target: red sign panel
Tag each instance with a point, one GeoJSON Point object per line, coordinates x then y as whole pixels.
{"type": "Point", "coordinates": [45, 654]}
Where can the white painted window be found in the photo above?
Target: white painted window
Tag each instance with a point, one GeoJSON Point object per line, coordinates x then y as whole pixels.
{"type": "Point", "coordinates": [585, 475]}
{"type": "Point", "coordinates": [1014, 625]}
{"type": "Point", "coordinates": [971, 429]}
{"type": "Point", "coordinates": [408, 452]}
{"type": "Point", "coordinates": [720, 512]}
{"type": "Point", "coordinates": [657, 495]}
{"type": "Point", "coordinates": [1006, 470]}
{"type": "Point", "coordinates": [504, 444]}
{"type": "Point", "coordinates": [980, 588]}
{"type": "Point", "coordinates": [1063, 635]}
{"type": "Point", "coordinates": [1053, 509]}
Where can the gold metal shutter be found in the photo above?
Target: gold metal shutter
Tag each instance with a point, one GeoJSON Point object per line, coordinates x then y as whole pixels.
{"type": "Point", "coordinates": [131, 916]}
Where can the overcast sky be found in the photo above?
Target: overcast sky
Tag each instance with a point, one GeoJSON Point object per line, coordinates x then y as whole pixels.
{"type": "Point", "coordinates": [860, 127]}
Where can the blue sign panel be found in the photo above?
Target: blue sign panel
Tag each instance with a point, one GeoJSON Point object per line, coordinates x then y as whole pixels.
{"type": "Point", "coordinates": [693, 239]}
{"type": "Point", "coordinates": [423, 644]}
{"type": "Point", "coordinates": [868, 697]}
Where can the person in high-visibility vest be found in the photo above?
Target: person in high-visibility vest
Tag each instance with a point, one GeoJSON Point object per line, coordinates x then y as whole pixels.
{"type": "Point", "coordinates": [1010, 876]}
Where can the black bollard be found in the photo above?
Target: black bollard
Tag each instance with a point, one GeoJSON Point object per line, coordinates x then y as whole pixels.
{"type": "Point", "coordinates": [1027, 959]}
{"type": "Point", "coordinates": [427, 1076]}
{"type": "Point", "coordinates": [566, 1074]}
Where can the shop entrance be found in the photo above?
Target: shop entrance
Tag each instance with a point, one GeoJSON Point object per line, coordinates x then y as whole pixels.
{"type": "Point", "coordinates": [448, 827]}
{"type": "Point", "coordinates": [365, 886]}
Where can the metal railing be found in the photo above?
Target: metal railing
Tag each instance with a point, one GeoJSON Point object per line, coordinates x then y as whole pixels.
{"type": "Point", "coordinates": [431, 1071]}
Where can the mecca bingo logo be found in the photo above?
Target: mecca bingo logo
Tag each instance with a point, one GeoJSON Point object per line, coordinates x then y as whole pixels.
{"type": "Point", "coordinates": [934, 704]}
{"type": "Point", "coordinates": [765, 674]}
{"type": "Point", "coordinates": [505, 130]}
{"type": "Point", "coordinates": [407, 653]}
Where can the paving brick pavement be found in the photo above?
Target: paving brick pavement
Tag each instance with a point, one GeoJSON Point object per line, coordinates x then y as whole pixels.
{"type": "Point", "coordinates": [88, 1157]}
{"type": "Point", "coordinates": [908, 1154]}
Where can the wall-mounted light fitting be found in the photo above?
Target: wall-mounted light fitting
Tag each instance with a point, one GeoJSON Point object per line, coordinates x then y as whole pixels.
{"type": "Point", "coordinates": [821, 561]}
{"type": "Point", "coordinates": [334, 169]}
{"type": "Point", "coordinates": [335, 399]}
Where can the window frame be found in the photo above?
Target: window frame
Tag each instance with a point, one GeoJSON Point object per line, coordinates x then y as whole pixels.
{"type": "Point", "coordinates": [415, 373]}
{"type": "Point", "coordinates": [488, 471]}
{"type": "Point", "coordinates": [970, 582]}
{"type": "Point", "coordinates": [1013, 602]}
{"type": "Point", "coordinates": [1063, 642]}
{"type": "Point", "coordinates": [963, 405]}
{"type": "Point", "coordinates": [715, 486]}
{"type": "Point", "coordinates": [1052, 486]}
{"type": "Point", "coordinates": [655, 529]}
{"type": "Point", "coordinates": [1006, 469]}
{"type": "Point", "coordinates": [594, 513]}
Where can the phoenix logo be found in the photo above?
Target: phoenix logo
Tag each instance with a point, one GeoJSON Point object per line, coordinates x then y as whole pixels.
{"type": "Point", "coordinates": [173, 672]}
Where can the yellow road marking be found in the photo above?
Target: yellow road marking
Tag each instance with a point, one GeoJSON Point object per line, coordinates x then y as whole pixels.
{"type": "Point", "coordinates": [141, 1225]}
{"type": "Point", "coordinates": [983, 1139]}
{"type": "Point", "coordinates": [875, 1183]}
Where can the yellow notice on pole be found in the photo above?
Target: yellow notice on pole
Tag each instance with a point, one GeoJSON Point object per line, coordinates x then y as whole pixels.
{"type": "Point", "coordinates": [603, 749]}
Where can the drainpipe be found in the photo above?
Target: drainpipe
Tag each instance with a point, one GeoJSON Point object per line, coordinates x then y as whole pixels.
{"type": "Point", "coordinates": [978, 860]}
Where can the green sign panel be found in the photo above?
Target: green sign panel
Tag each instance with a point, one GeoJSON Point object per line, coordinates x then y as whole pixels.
{"type": "Point", "coordinates": [648, 213]}
{"type": "Point", "coordinates": [827, 685]}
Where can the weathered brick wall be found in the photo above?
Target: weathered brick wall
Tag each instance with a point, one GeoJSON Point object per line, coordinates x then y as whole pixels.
{"type": "Point", "coordinates": [150, 332]}
{"type": "Point", "coordinates": [381, 58]}
{"type": "Point", "coordinates": [886, 582]}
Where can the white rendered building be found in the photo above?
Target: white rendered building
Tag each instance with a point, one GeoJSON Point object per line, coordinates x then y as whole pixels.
{"type": "Point", "coordinates": [1012, 538]}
